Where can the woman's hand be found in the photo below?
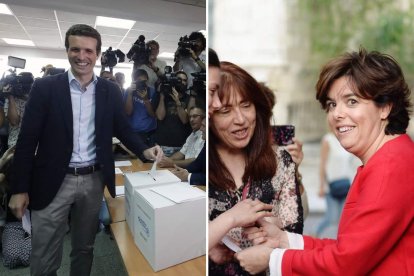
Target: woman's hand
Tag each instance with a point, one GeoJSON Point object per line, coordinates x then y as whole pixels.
{"type": "Point", "coordinates": [268, 232]}
{"type": "Point", "coordinates": [248, 211]}
{"type": "Point", "coordinates": [254, 259]}
{"type": "Point", "coordinates": [295, 150]}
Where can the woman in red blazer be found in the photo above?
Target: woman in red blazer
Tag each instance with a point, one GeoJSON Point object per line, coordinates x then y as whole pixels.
{"type": "Point", "coordinates": [367, 103]}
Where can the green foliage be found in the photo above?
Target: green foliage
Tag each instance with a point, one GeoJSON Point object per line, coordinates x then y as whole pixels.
{"type": "Point", "coordinates": [335, 27]}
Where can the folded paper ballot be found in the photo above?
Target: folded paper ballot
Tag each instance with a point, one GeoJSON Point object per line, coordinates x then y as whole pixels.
{"type": "Point", "coordinates": [227, 241]}
{"type": "Point", "coordinates": [179, 192]}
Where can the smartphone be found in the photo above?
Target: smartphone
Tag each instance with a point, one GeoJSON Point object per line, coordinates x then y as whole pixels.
{"type": "Point", "coordinates": [283, 134]}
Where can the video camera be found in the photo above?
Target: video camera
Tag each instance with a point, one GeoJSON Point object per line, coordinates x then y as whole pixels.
{"type": "Point", "coordinates": [139, 52]}
{"type": "Point", "coordinates": [199, 83]}
{"type": "Point", "coordinates": [170, 80]}
{"type": "Point", "coordinates": [198, 89]}
{"type": "Point", "coordinates": [184, 46]}
{"type": "Point", "coordinates": [110, 58]}
{"type": "Point", "coordinates": [17, 85]}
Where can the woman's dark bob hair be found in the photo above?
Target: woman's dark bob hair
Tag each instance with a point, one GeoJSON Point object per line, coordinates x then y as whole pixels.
{"type": "Point", "coordinates": [375, 76]}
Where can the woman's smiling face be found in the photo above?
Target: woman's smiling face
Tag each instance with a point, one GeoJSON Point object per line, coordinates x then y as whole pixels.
{"type": "Point", "coordinates": [234, 123]}
{"type": "Point", "coordinates": [357, 123]}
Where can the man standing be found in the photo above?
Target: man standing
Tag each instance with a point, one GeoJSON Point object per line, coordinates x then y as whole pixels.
{"type": "Point", "coordinates": [64, 157]}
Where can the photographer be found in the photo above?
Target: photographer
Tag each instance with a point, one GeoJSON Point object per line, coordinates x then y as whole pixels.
{"type": "Point", "coordinates": [145, 56]}
{"type": "Point", "coordinates": [173, 127]}
{"type": "Point", "coordinates": [17, 96]}
{"type": "Point", "coordinates": [140, 104]}
{"type": "Point", "coordinates": [190, 55]}
{"type": "Point", "coordinates": [157, 66]}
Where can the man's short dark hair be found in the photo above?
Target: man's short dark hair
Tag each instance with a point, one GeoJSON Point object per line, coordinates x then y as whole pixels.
{"type": "Point", "coordinates": [213, 59]}
{"type": "Point", "coordinates": [181, 72]}
{"type": "Point", "coordinates": [198, 35]}
{"type": "Point", "coordinates": [84, 30]}
{"type": "Point", "coordinates": [138, 73]}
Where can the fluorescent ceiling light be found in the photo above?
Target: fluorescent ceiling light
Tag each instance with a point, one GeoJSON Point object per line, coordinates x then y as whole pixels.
{"type": "Point", "coordinates": [114, 22]}
{"type": "Point", "coordinates": [166, 55]}
{"type": "Point", "coordinates": [23, 42]}
{"type": "Point", "coordinates": [4, 9]}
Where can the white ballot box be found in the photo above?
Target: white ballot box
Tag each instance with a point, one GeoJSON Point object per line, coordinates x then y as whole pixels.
{"type": "Point", "coordinates": [170, 224]}
{"type": "Point", "coordinates": [143, 179]}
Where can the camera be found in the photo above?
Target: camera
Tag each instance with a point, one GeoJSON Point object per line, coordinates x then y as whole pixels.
{"type": "Point", "coordinates": [139, 52]}
{"type": "Point", "coordinates": [111, 58]}
{"type": "Point", "coordinates": [17, 85]}
{"type": "Point", "coordinates": [199, 83]}
{"type": "Point", "coordinates": [184, 46]}
{"type": "Point", "coordinates": [168, 81]}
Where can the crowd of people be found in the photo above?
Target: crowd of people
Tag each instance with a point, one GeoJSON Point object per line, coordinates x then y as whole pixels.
{"type": "Point", "coordinates": [61, 133]}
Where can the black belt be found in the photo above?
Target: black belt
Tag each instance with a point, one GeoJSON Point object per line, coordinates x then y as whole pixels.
{"type": "Point", "coordinates": [84, 170]}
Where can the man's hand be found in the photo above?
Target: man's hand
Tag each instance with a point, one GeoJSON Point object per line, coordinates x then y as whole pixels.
{"type": "Point", "coordinates": [180, 173]}
{"type": "Point", "coordinates": [154, 153]}
{"type": "Point", "coordinates": [166, 162]}
{"type": "Point", "coordinates": [143, 94]}
{"type": "Point", "coordinates": [18, 204]}
{"type": "Point", "coordinates": [254, 259]}
{"type": "Point", "coordinates": [175, 96]}
{"type": "Point", "coordinates": [220, 254]}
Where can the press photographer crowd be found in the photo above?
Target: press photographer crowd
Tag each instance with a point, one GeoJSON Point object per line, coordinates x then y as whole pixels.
{"type": "Point", "coordinates": [165, 107]}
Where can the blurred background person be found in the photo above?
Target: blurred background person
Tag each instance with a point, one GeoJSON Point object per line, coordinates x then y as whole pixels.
{"type": "Point", "coordinates": [140, 104]}
{"type": "Point", "coordinates": [337, 167]}
{"type": "Point", "coordinates": [192, 59]}
{"type": "Point", "coordinates": [193, 144]}
{"type": "Point", "coordinates": [120, 80]}
{"type": "Point", "coordinates": [172, 124]}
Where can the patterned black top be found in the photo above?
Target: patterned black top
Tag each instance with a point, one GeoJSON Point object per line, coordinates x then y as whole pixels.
{"type": "Point", "coordinates": [282, 191]}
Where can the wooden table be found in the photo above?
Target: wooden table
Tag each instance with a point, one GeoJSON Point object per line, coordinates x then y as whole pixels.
{"type": "Point", "coordinates": [135, 263]}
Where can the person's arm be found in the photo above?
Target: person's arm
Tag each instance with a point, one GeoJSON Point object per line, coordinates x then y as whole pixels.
{"type": "Point", "coordinates": [12, 114]}
{"type": "Point", "coordinates": [23, 161]}
{"type": "Point", "coordinates": [2, 116]}
{"type": "Point", "coordinates": [243, 213]}
{"type": "Point", "coordinates": [177, 60]}
{"type": "Point", "coordinates": [161, 111]}
{"type": "Point", "coordinates": [129, 105]}
{"type": "Point", "coordinates": [182, 114]}
{"type": "Point", "coordinates": [322, 168]}
{"type": "Point", "coordinates": [198, 60]}
{"type": "Point", "coordinates": [184, 162]}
